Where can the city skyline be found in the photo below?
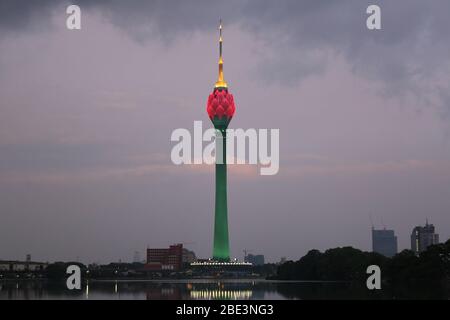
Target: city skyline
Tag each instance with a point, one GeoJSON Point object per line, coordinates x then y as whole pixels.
{"type": "Point", "coordinates": [86, 117]}
{"type": "Point", "coordinates": [376, 247]}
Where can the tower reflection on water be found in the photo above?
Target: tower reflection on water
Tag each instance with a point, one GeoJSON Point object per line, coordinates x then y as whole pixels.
{"type": "Point", "coordinates": [203, 291]}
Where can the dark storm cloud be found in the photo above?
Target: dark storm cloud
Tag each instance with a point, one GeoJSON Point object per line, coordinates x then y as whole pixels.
{"type": "Point", "coordinates": [410, 50]}
{"type": "Point", "coordinates": [300, 23]}
{"type": "Point", "coordinates": [22, 14]}
{"type": "Point", "coordinates": [141, 18]}
{"type": "Point", "coordinates": [411, 47]}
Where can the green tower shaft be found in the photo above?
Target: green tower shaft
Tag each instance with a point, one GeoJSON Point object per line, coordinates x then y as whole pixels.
{"type": "Point", "coordinates": [221, 249]}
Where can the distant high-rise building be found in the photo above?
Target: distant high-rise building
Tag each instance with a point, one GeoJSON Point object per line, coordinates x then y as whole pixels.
{"type": "Point", "coordinates": [384, 242]}
{"type": "Point", "coordinates": [256, 260]}
{"type": "Point", "coordinates": [423, 237]}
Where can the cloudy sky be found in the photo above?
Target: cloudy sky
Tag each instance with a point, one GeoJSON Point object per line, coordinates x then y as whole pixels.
{"type": "Point", "coordinates": [86, 118]}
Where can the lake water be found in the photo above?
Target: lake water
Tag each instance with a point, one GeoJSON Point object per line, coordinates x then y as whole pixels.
{"type": "Point", "coordinates": [198, 289]}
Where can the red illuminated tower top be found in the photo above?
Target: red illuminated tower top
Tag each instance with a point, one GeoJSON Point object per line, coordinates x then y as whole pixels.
{"type": "Point", "coordinates": [220, 106]}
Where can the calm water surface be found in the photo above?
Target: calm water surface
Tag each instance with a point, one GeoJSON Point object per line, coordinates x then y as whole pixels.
{"type": "Point", "coordinates": [201, 289]}
{"type": "Point", "coordinates": [174, 290]}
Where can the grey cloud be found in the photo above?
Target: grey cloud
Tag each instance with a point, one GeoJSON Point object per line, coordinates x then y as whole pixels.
{"type": "Point", "coordinates": [24, 15]}
{"type": "Point", "coordinates": [412, 45]}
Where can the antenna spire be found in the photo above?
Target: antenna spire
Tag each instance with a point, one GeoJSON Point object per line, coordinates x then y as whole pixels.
{"type": "Point", "coordinates": [221, 83]}
{"type": "Point", "coordinates": [220, 38]}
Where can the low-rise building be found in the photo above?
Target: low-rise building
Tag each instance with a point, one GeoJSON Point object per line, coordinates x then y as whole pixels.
{"type": "Point", "coordinates": [170, 259]}
{"type": "Point", "coordinates": [11, 265]}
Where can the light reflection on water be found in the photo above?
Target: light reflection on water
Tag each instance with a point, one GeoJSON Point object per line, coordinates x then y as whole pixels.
{"type": "Point", "coordinates": [151, 290]}
{"type": "Point", "coordinates": [198, 289]}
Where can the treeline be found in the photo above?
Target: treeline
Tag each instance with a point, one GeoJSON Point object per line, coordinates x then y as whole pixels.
{"type": "Point", "coordinates": [404, 272]}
